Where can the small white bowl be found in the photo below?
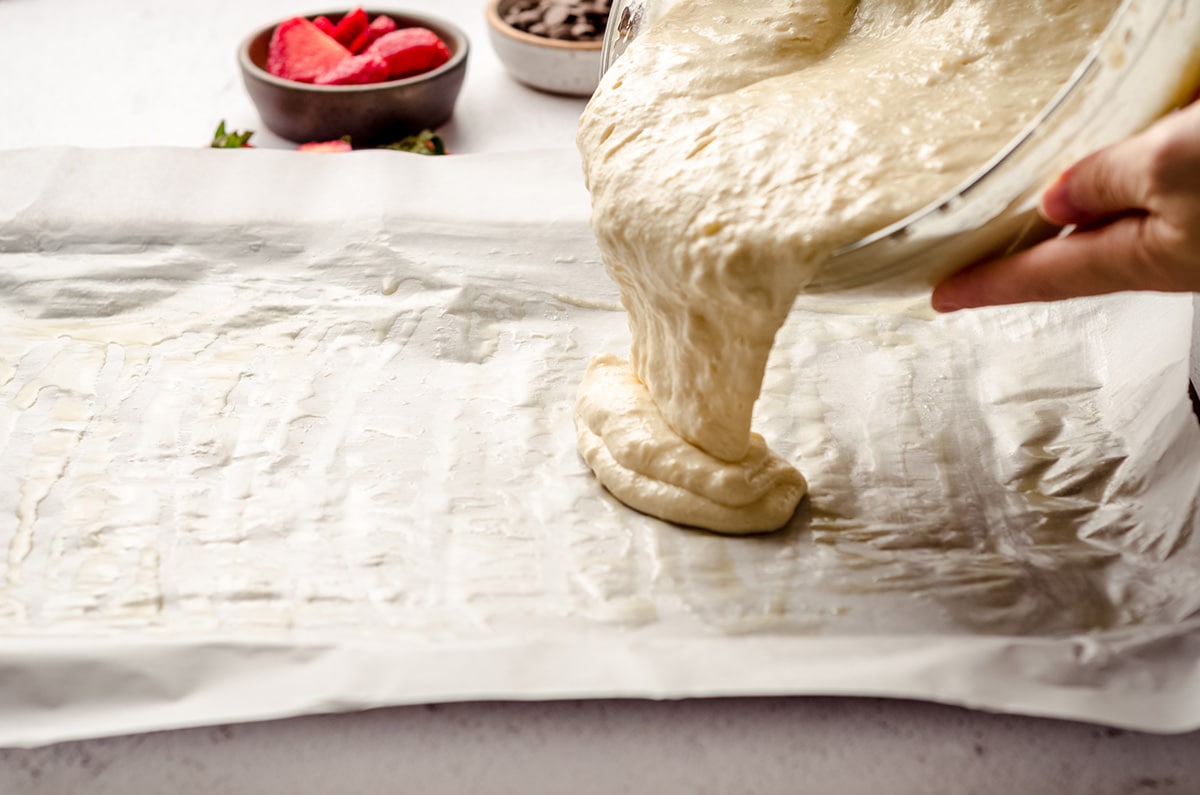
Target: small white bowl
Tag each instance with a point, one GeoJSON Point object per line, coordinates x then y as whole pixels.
{"type": "Point", "coordinates": [559, 67]}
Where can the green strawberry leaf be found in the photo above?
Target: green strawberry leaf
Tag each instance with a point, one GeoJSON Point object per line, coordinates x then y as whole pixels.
{"type": "Point", "coordinates": [231, 139]}
{"type": "Point", "coordinates": [426, 142]}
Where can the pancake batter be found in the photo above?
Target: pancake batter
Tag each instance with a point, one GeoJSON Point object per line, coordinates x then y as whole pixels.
{"type": "Point", "coordinates": [728, 152]}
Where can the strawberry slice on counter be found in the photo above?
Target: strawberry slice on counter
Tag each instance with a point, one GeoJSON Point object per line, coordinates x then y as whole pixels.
{"type": "Point", "coordinates": [380, 26]}
{"type": "Point", "coordinates": [355, 70]}
{"type": "Point", "coordinates": [300, 51]}
{"type": "Point", "coordinates": [410, 50]}
{"type": "Point", "coordinates": [326, 147]}
{"type": "Point", "coordinates": [350, 27]}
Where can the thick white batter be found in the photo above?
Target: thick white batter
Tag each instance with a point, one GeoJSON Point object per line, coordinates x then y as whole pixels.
{"type": "Point", "coordinates": [729, 150]}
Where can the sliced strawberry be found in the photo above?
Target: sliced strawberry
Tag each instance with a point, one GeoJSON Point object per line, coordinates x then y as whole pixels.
{"type": "Point", "coordinates": [300, 51]}
{"type": "Point", "coordinates": [355, 70]}
{"type": "Point", "coordinates": [380, 26]}
{"type": "Point", "coordinates": [323, 22]}
{"type": "Point", "coordinates": [326, 147]}
{"type": "Point", "coordinates": [409, 51]}
{"type": "Point", "coordinates": [350, 26]}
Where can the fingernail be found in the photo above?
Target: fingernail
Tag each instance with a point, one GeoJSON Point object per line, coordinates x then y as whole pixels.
{"type": "Point", "coordinates": [1056, 201]}
{"type": "Point", "coordinates": [941, 303]}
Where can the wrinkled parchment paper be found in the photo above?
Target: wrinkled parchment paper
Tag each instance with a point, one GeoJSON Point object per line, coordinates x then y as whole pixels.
{"type": "Point", "coordinates": [284, 433]}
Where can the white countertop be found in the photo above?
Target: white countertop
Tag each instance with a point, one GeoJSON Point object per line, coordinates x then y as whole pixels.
{"type": "Point", "coordinates": [144, 73]}
{"type": "Point", "coordinates": [138, 73]}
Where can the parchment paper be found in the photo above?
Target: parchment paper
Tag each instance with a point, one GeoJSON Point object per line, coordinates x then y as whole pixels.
{"type": "Point", "coordinates": [286, 433]}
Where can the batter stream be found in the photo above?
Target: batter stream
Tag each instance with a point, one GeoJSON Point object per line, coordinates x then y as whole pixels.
{"type": "Point", "coordinates": [728, 152]}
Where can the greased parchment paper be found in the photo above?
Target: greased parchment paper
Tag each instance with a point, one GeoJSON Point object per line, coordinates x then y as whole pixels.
{"type": "Point", "coordinates": [284, 433]}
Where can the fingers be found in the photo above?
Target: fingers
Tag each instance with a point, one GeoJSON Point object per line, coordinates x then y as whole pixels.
{"type": "Point", "coordinates": [1109, 182]}
{"type": "Point", "coordinates": [1123, 178]}
{"type": "Point", "coordinates": [1139, 211]}
{"type": "Point", "coordinates": [1104, 260]}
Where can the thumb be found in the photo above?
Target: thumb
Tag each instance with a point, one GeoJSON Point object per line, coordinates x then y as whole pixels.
{"type": "Point", "coordinates": [1107, 183]}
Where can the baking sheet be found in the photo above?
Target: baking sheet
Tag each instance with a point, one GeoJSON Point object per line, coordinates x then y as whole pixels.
{"type": "Point", "coordinates": [282, 433]}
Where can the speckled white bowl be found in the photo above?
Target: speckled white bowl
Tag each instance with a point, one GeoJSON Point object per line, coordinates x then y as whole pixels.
{"type": "Point", "coordinates": [559, 67]}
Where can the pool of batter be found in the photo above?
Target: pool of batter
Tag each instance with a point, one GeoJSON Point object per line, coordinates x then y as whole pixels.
{"type": "Point", "coordinates": [735, 145]}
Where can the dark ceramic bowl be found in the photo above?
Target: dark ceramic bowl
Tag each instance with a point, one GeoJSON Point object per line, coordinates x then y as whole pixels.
{"type": "Point", "coordinates": [373, 113]}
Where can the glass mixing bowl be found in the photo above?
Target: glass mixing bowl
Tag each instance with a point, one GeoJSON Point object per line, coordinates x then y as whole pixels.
{"type": "Point", "coordinates": [1146, 63]}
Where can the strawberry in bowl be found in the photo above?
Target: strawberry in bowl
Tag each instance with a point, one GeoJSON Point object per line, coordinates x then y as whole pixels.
{"type": "Point", "coordinates": [370, 75]}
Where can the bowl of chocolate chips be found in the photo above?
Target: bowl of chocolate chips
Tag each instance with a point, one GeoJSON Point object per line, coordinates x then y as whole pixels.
{"type": "Point", "coordinates": [550, 45]}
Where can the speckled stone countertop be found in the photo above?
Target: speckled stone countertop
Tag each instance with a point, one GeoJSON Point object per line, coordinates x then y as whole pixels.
{"type": "Point", "coordinates": [818, 745]}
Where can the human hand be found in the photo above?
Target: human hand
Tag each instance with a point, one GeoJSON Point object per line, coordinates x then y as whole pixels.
{"type": "Point", "coordinates": [1137, 206]}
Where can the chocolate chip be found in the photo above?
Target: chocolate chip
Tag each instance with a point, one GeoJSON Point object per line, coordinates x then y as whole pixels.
{"type": "Point", "coordinates": [565, 20]}
{"type": "Point", "coordinates": [555, 15]}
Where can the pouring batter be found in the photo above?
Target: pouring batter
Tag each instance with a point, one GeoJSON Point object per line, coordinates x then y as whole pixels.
{"type": "Point", "coordinates": [728, 152]}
